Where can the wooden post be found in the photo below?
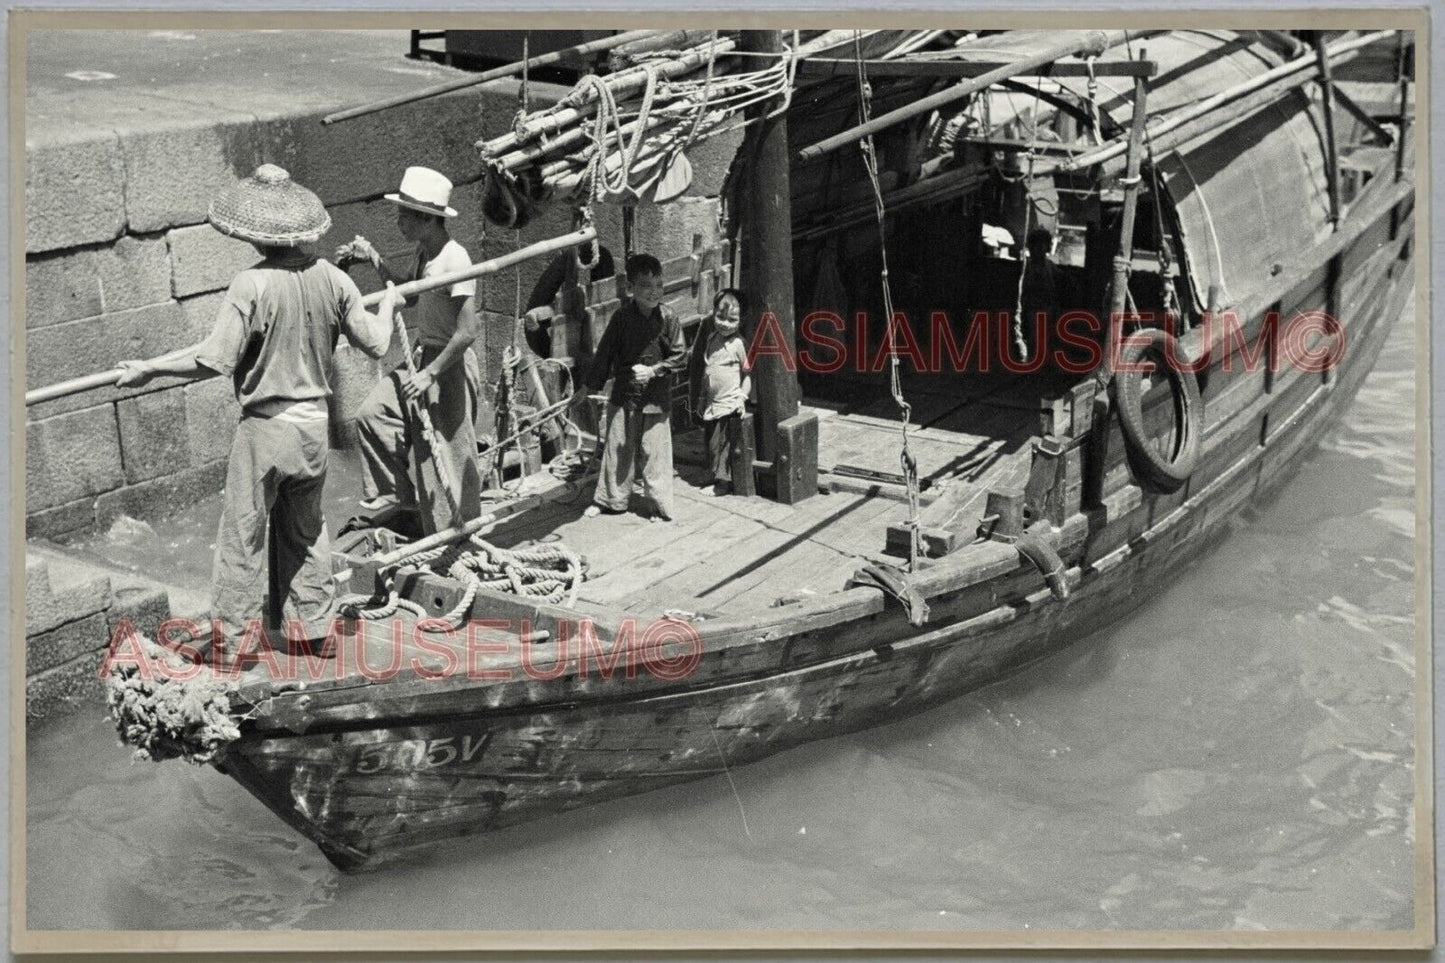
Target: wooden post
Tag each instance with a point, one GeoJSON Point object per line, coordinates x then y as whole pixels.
{"type": "Point", "coordinates": [1404, 67]}
{"type": "Point", "coordinates": [1120, 288]}
{"type": "Point", "coordinates": [1332, 144]}
{"type": "Point", "coordinates": [768, 255]}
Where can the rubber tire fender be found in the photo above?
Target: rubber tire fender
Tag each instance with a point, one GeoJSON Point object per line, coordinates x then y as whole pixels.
{"type": "Point", "coordinates": [1154, 471]}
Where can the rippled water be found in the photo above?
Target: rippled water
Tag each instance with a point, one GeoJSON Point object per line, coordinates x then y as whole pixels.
{"type": "Point", "coordinates": [1237, 754]}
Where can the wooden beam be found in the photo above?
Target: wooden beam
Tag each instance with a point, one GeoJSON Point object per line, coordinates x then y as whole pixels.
{"type": "Point", "coordinates": [768, 255]}
{"type": "Point", "coordinates": [1363, 116]}
{"type": "Point", "coordinates": [937, 67]}
{"type": "Point", "coordinates": [1332, 144]}
{"type": "Point", "coordinates": [1094, 42]}
{"type": "Point", "coordinates": [1268, 86]}
{"type": "Point", "coordinates": [1123, 259]}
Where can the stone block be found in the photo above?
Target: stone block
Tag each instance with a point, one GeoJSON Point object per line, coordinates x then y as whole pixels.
{"type": "Point", "coordinates": [71, 520]}
{"type": "Point", "coordinates": [65, 689]}
{"type": "Point", "coordinates": [145, 606]}
{"type": "Point", "coordinates": [73, 640]}
{"type": "Point", "coordinates": [201, 311]}
{"type": "Point", "coordinates": [498, 292]}
{"type": "Point", "coordinates": [361, 160]}
{"type": "Point", "coordinates": [74, 187]}
{"type": "Point", "coordinates": [711, 159]}
{"type": "Point", "coordinates": [153, 436]}
{"type": "Point", "coordinates": [203, 259]}
{"type": "Point", "coordinates": [162, 496]}
{"type": "Point", "coordinates": [72, 456]}
{"type": "Point", "coordinates": [211, 417]}
{"type": "Point", "coordinates": [58, 591]}
{"type": "Point", "coordinates": [662, 230]}
{"type": "Point", "coordinates": [175, 167]}
{"type": "Point", "coordinates": [375, 221]}
{"type": "Point", "coordinates": [59, 352]}
{"type": "Point", "coordinates": [68, 285]}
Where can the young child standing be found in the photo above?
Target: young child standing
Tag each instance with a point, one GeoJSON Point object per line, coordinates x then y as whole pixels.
{"type": "Point", "coordinates": [720, 384]}
{"type": "Point", "coordinates": [640, 350]}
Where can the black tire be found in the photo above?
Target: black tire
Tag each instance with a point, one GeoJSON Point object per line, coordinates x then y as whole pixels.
{"type": "Point", "coordinates": [1155, 472]}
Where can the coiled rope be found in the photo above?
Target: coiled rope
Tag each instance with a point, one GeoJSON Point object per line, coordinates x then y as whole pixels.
{"type": "Point", "coordinates": [551, 573]}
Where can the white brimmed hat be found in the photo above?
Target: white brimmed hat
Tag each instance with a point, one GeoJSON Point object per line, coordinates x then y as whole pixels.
{"type": "Point", "coordinates": [270, 208]}
{"type": "Point", "coordinates": [423, 189]}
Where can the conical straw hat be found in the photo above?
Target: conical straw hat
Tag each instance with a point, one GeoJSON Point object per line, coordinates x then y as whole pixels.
{"type": "Point", "coordinates": [270, 208]}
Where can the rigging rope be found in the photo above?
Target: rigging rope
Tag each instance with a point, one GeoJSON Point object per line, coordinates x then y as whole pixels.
{"type": "Point", "coordinates": [1020, 344]}
{"type": "Point", "coordinates": [870, 162]}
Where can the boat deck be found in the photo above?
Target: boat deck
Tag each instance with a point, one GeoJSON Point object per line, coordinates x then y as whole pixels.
{"type": "Point", "coordinates": [733, 554]}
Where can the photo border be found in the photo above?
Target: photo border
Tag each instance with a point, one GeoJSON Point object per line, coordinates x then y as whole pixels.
{"type": "Point", "coordinates": [1422, 936]}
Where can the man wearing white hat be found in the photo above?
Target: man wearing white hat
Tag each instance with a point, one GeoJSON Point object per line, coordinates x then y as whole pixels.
{"type": "Point", "coordinates": [274, 336]}
{"type": "Point", "coordinates": [448, 377]}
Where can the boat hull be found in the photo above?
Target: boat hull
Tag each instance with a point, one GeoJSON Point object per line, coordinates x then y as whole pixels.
{"type": "Point", "coordinates": [368, 791]}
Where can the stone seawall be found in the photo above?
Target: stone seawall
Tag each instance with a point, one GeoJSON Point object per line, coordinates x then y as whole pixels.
{"type": "Point", "coordinates": [120, 263]}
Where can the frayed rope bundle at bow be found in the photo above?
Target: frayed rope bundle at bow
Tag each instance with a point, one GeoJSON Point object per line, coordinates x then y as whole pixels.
{"type": "Point", "coordinates": [187, 716]}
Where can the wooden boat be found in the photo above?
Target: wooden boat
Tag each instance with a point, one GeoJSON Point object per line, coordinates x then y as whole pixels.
{"type": "Point", "coordinates": [754, 624]}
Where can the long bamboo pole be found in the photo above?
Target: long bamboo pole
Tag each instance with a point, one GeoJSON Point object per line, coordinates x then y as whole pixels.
{"type": "Point", "coordinates": [497, 73]}
{"type": "Point", "coordinates": [102, 379]}
{"type": "Point", "coordinates": [1304, 66]}
{"type": "Point", "coordinates": [1090, 44]}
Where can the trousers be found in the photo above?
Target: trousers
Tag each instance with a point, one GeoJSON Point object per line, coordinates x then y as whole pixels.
{"type": "Point", "coordinates": [721, 435]}
{"type": "Point", "coordinates": [396, 459]}
{"type": "Point", "coordinates": [635, 439]}
{"type": "Point", "coordinates": [273, 553]}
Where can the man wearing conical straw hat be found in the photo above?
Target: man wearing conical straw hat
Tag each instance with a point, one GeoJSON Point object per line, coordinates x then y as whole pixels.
{"type": "Point", "coordinates": [448, 374]}
{"type": "Point", "coordinates": [274, 336]}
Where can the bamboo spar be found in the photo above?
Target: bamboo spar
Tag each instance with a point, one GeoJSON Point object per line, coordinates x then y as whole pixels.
{"type": "Point", "coordinates": [1092, 43]}
{"type": "Point", "coordinates": [497, 73]}
{"type": "Point", "coordinates": [103, 379]}
{"type": "Point", "coordinates": [1308, 62]}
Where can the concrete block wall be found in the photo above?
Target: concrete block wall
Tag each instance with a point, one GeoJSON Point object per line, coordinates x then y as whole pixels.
{"type": "Point", "coordinates": [120, 263]}
{"type": "Point", "coordinates": [72, 609]}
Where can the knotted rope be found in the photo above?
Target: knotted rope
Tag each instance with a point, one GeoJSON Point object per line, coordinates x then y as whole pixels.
{"type": "Point", "coordinates": [551, 573]}
{"type": "Point", "coordinates": [905, 457]}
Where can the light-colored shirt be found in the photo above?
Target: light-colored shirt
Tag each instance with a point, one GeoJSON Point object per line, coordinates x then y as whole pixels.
{"type": "Point", "coordinates": [437, 316]}
{"type": "Point", "coordinates": [276, 331]}
{"type": "Point", "coordinates": [725, 368]}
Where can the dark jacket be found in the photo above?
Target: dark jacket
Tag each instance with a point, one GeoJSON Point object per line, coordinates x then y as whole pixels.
{"type": "Point", "coordinates": [633, 339]}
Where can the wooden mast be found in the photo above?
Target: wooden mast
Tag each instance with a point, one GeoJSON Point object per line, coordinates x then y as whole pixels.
{"type": "Point", "coordinates": [768, 269]}
{"type": "Point", "coordinates": [1119, 289]}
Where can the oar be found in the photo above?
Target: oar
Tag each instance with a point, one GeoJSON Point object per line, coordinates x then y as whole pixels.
{"type": "Point", "coordinates": [102, 379]}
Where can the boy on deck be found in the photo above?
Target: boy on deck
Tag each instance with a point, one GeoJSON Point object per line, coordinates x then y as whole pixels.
{"type": "Point", "coordinates": [448, 378]}
{"type": "Point", "coordinates": [640, 350]}
{"type": "Point", "coordinates": [274, 335]}
{"type": "Point", "coordinates": [720, 384]}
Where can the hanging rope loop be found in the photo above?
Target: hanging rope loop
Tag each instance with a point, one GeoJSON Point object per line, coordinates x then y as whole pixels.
{"type": "Point", "coordinates": [907, 462]}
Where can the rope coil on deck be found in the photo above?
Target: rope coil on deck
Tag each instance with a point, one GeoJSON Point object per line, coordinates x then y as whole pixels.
{"type": "Point", "coordinates": [549, 573]}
